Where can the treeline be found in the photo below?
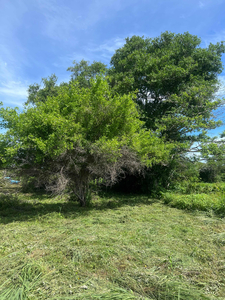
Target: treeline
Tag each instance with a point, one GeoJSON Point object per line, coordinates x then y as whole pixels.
{"type": "Point", "coordinates": [133, 125]}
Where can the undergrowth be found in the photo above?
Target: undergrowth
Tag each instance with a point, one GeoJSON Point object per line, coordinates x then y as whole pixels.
{"type": "Point", "coordinates": [204, 202]}
{"type": "Point", "coordinates": [209, 197]}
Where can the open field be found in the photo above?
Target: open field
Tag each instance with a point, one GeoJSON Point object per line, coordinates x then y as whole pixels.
{"type": "Point", "coordinates": [120, 247]}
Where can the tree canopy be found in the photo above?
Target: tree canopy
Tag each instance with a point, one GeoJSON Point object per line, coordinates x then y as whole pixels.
{"type": "Point", "coordinates": [83, 71]}
{"type": "Point", "coordinates": [175, 81]}
{"type": "Point", "coordinates": [80, 135]}
{"type": "Point", "coordinates": [40, 92]}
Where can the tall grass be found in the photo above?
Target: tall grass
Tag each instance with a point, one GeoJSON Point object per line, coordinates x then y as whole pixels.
{"type": "Point", "coordinates": [208, 197]}
{"type": "Point", "coordinates": [206, 202]}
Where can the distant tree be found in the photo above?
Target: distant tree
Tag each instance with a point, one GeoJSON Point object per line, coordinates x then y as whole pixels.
{"type": "Point", "coordinates": [213, 156]}
{"type": "Point", "coordinates": [40, 92]}
{"type": "Point", "coordinates": [82, 134]}
{"type": "Point", "coordinates": [83, 71]}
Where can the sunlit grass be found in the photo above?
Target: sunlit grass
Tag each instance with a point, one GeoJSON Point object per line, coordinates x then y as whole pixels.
{"type": "Point", "coordinates": [120, 247]}
{"type": "Point", "coordinates": [214, 202]}
{"type": "Point", "coordinates": [207, 197]}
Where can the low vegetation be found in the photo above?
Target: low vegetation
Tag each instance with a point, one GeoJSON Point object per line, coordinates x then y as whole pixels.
{"type": "Point", "coordinates": [198, 196]}
{"type": "Point", "coordinates": [119, 247]}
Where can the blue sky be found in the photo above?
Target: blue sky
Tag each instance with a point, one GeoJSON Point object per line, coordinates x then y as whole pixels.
{"type": "Point", "coordinates": [42, 37]}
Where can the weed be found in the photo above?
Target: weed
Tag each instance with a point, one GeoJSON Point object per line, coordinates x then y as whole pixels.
{"type": "Point", "coordinates": [22, 283]}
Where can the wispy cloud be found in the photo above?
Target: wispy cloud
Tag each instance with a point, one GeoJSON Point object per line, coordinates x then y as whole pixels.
{"type": "Point", "coordinates": [67, 23]}
{"type": "Point", "coordinates": [214, 38]}
{"type": "Point", "coordinates": [13, 89]}
{"type": "Point", "coordinates": [91, 52]}
{"type": "Point", "coordinates": [111, 45]}
{"type": "Point", "coordinates": [108, 48]}
{"type": "Point", "coordinates": [59, 21]}
{"type": "Point", "coordinates": [201, 4]}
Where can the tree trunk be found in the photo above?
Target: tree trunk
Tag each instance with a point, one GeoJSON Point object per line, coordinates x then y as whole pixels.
{"type": "Point", "coordinates": [82, 188]}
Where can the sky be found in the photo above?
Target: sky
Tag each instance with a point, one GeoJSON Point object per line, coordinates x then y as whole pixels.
{"type": "Point", "coordinates": [42, 37]}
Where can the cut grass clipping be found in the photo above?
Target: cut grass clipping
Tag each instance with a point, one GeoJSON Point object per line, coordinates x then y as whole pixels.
{"type": "Point", "coordinates": [120, 247]}
{"type": "Point", "coordinates": [22, 283]}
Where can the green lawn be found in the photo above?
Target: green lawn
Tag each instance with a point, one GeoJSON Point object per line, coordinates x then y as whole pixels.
{"type": "Point", "coordinates": [121, 247]}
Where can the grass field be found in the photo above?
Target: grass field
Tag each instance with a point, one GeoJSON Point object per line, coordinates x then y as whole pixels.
{"type": "Point", "coordinates": [120, 247]}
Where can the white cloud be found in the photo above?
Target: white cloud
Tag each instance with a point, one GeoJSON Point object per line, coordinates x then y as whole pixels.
{"type": "Point", "coordinates": [62, 21]}
{"type": "Point", "coordinates": [108, 48]}
{"type": "Point", "coordinates": [13, 93]}
{"type": "Point", "coordinates": [102, 52]}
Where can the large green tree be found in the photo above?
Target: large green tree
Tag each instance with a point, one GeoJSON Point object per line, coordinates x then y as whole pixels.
{"type": "Point", "coordinates": [175, 80]}
{"type": "Point", "coordinates": [79, 135]}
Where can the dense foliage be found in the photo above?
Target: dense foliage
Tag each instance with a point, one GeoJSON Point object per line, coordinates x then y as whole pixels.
{"type": "Point", "coordinates": [175, 81]}
{"type": "Point", "coordinates": [140, 116]}
{"type": "Point", "coordinates": [80, 135]}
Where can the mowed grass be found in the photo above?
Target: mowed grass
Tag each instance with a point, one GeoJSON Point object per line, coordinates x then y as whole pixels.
{"type": "Point", "coordinates": [120, 247]}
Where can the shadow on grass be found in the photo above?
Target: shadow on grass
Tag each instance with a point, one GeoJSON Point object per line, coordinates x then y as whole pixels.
{"type": "Point", "coordinates": [13, 209]}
